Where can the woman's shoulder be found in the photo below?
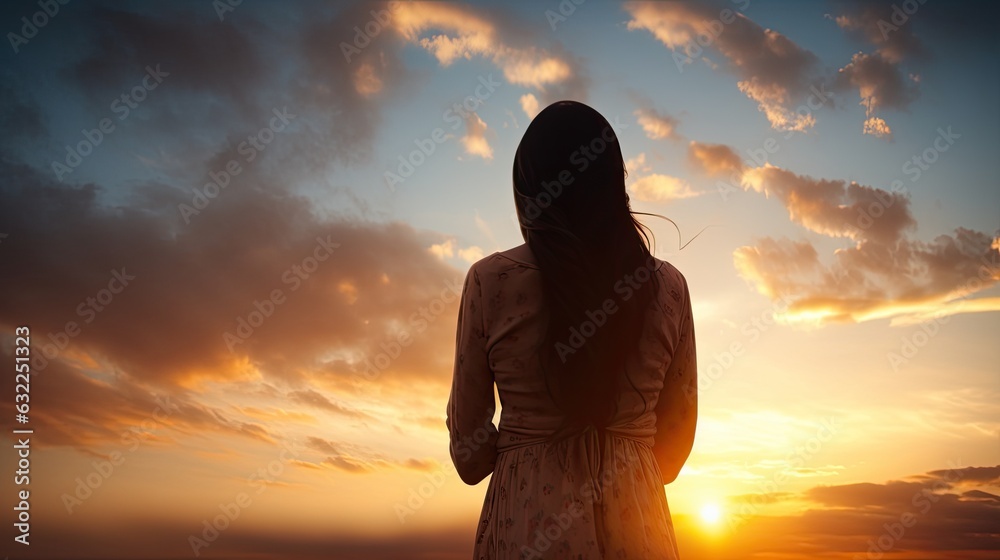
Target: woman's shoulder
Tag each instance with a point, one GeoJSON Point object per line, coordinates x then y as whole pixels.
{"type": "Point", "coordinates": [676, 282]}
{"type": "Point", "coordinates": [500, 261]}
{"type": "Point", "coordinates": [668, 269]}
{"type": "Point", "coordinates": [520, 255]}
{"type": "Point", "coordinates": [501, 267]}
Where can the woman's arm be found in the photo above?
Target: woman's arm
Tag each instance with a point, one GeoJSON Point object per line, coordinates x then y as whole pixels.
{"type": "Point", "coordinates": [471, 404]}
{"type": "Point", "coordinates": [677, 407]}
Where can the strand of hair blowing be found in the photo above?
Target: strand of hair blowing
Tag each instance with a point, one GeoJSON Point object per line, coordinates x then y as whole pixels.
{"type": "Point", "coordinates": [585, 239]}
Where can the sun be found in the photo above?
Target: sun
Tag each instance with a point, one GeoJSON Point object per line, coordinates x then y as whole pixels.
{"type": "Point", "coordinates": [711, 513]}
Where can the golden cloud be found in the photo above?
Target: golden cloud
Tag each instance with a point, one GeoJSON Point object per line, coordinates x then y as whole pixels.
{"type": "Point", "coordinates": [451, 32]}
{"type": "Point", "coordinates": [661, 188]}
{"type": "Point", "coordinates": [773, 71]}
{"type": "Point", "coordinates": [715, 160]}
{"type": "Point", "coordinates": [475, 140]}
{"type": "Point", "coordinates": [657, 126]}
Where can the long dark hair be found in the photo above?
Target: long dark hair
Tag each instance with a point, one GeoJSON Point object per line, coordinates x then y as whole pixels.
{"type": "Point", "coordinates": [574, 213]}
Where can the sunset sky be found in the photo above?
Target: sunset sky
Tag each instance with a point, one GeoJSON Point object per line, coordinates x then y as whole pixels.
{"type": "Point", "coordinates": [219, 220]}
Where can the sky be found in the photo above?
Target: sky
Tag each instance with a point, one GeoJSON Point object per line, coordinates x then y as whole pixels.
{"type": "Point", "coordinates": [237, 232]}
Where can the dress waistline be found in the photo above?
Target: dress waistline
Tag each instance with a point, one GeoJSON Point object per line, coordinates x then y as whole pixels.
{"type": "Point", "coordinates": [509, 442]}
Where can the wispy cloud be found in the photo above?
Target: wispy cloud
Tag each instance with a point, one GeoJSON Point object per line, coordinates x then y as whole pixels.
{"type": "Point", "coordinates": [879, 76]}
{"type": "Point", "coordinates": [948, 513]}
{"type": "Point", "coordinates": [661, 188]}
{"type": "Point", "coordinates": [773, 71]}
{"type": "Point", "coordinates": [451, 32]}
{"type": "Point", "coordinates": [475, 141]}
{"type": "Point", "coordinates": [656, 125]}
{"type": "Point", "coordinates": [885, 274]}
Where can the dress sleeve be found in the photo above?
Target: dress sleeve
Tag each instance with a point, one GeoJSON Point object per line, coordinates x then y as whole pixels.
{"type": "Point", "coordinates": [471, 404]}
{"type": "Point", "coordinates": [677, 407]}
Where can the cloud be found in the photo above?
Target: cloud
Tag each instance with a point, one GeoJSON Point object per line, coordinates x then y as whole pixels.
{"type": "Point", "coordinates": [91, 414]}
{"type": "Point", "coordinates": [471, 254]}
{"type": "Point", "coordinates": [529, 104]}
{"type": "Point", "coordinates": [762, 498]}
{"type": "Point", "coordinates": [884, 274]}
{"type": "Point", "coordinates": [934, 515]}
{"type": "Point", "coordinates": [315, 399]}
{"type": "Point", "coordinates": [661, 188]}
{"type": "Point", "coordinates": [638, 163]}
{"type": "Point", "coordinates": [980, 475]}
{"type": "Point", "coordinates": [657, 126]}
{"type": "Point", "coordinates": [355, 465]}
{"type": "Point", "coordinates": [715, 160]}
{"type": "Point", "coordinates": [366, 81]}
{"type": "Point", "coordinates": [904, 492]}
{"type": "Point", "coordinates": [773, 71]}
{"type": "Point", "coordinates": [219, 75]}
{"type": "Point", "coordinates": [473, 35]}
{"type": "Point", "coordinates": [877, 127]}
{"type": "Point", "coordinates": [443, 250]}
{"type": "Point", "coordinates": [880, 84]}
{"type": "Point", "coordinates": [360, 460]}
{"type": "Point", "coordinates": [775, 102]}
{"type": "Point", "coordinates": [475, 140]}
{"type": "Point", "coordinates": [449, 248]}
{"type": "Point", "coordinates": [19, 115]}
{"type": "Point", "coordinates": [879, 76]}
{"type": "Point", "coordinates": [322, 445]}
{"type": "Point", "coordinates": [202, 280]}
{"type": "Point", "coordinates": [834, 207]}
{"type": "Point", "coordinates": [348, 464]}
{"type": "Point", "coordinates": [451, 32]}
{"type": "Point", "coordinates": [201, 53]}
{"type": "Point", "coordinates": [883, 24]}
{"type": "Point", "coordinates": [343, 92]}
{"type": "Point", "coordinates": [910, 282]}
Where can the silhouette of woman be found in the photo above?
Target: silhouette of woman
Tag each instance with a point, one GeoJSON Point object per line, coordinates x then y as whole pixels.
{"type": "Point", "coordinates": [590, 342]}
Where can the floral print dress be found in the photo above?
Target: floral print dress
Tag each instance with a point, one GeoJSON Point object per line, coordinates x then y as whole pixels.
{"type": "Point", "coordinates": [599, 495]}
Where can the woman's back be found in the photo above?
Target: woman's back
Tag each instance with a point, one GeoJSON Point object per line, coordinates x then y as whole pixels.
{"type": "Point", "coordinates": [597, 494]}
{"type": "Point", "coordinates": [589, 340]}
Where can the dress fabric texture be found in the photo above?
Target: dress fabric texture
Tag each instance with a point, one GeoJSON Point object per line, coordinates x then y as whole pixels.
{"type": "Point", "coordinates": [598, 495]}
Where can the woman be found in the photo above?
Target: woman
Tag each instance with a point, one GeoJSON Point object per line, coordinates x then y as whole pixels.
{"type": "Point", "coordinates": [590, 342]}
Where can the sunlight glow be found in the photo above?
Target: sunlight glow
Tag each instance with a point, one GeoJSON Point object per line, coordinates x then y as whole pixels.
{"type": "Point", "coordinates": [711, 513]}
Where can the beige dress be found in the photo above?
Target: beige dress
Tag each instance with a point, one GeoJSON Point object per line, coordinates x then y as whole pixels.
{"type": "Point", "coordinates": [594, 496]}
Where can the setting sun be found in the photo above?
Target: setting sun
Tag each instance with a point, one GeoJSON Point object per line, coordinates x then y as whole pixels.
{"type": "Point", "coordinates": [711, 513]}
